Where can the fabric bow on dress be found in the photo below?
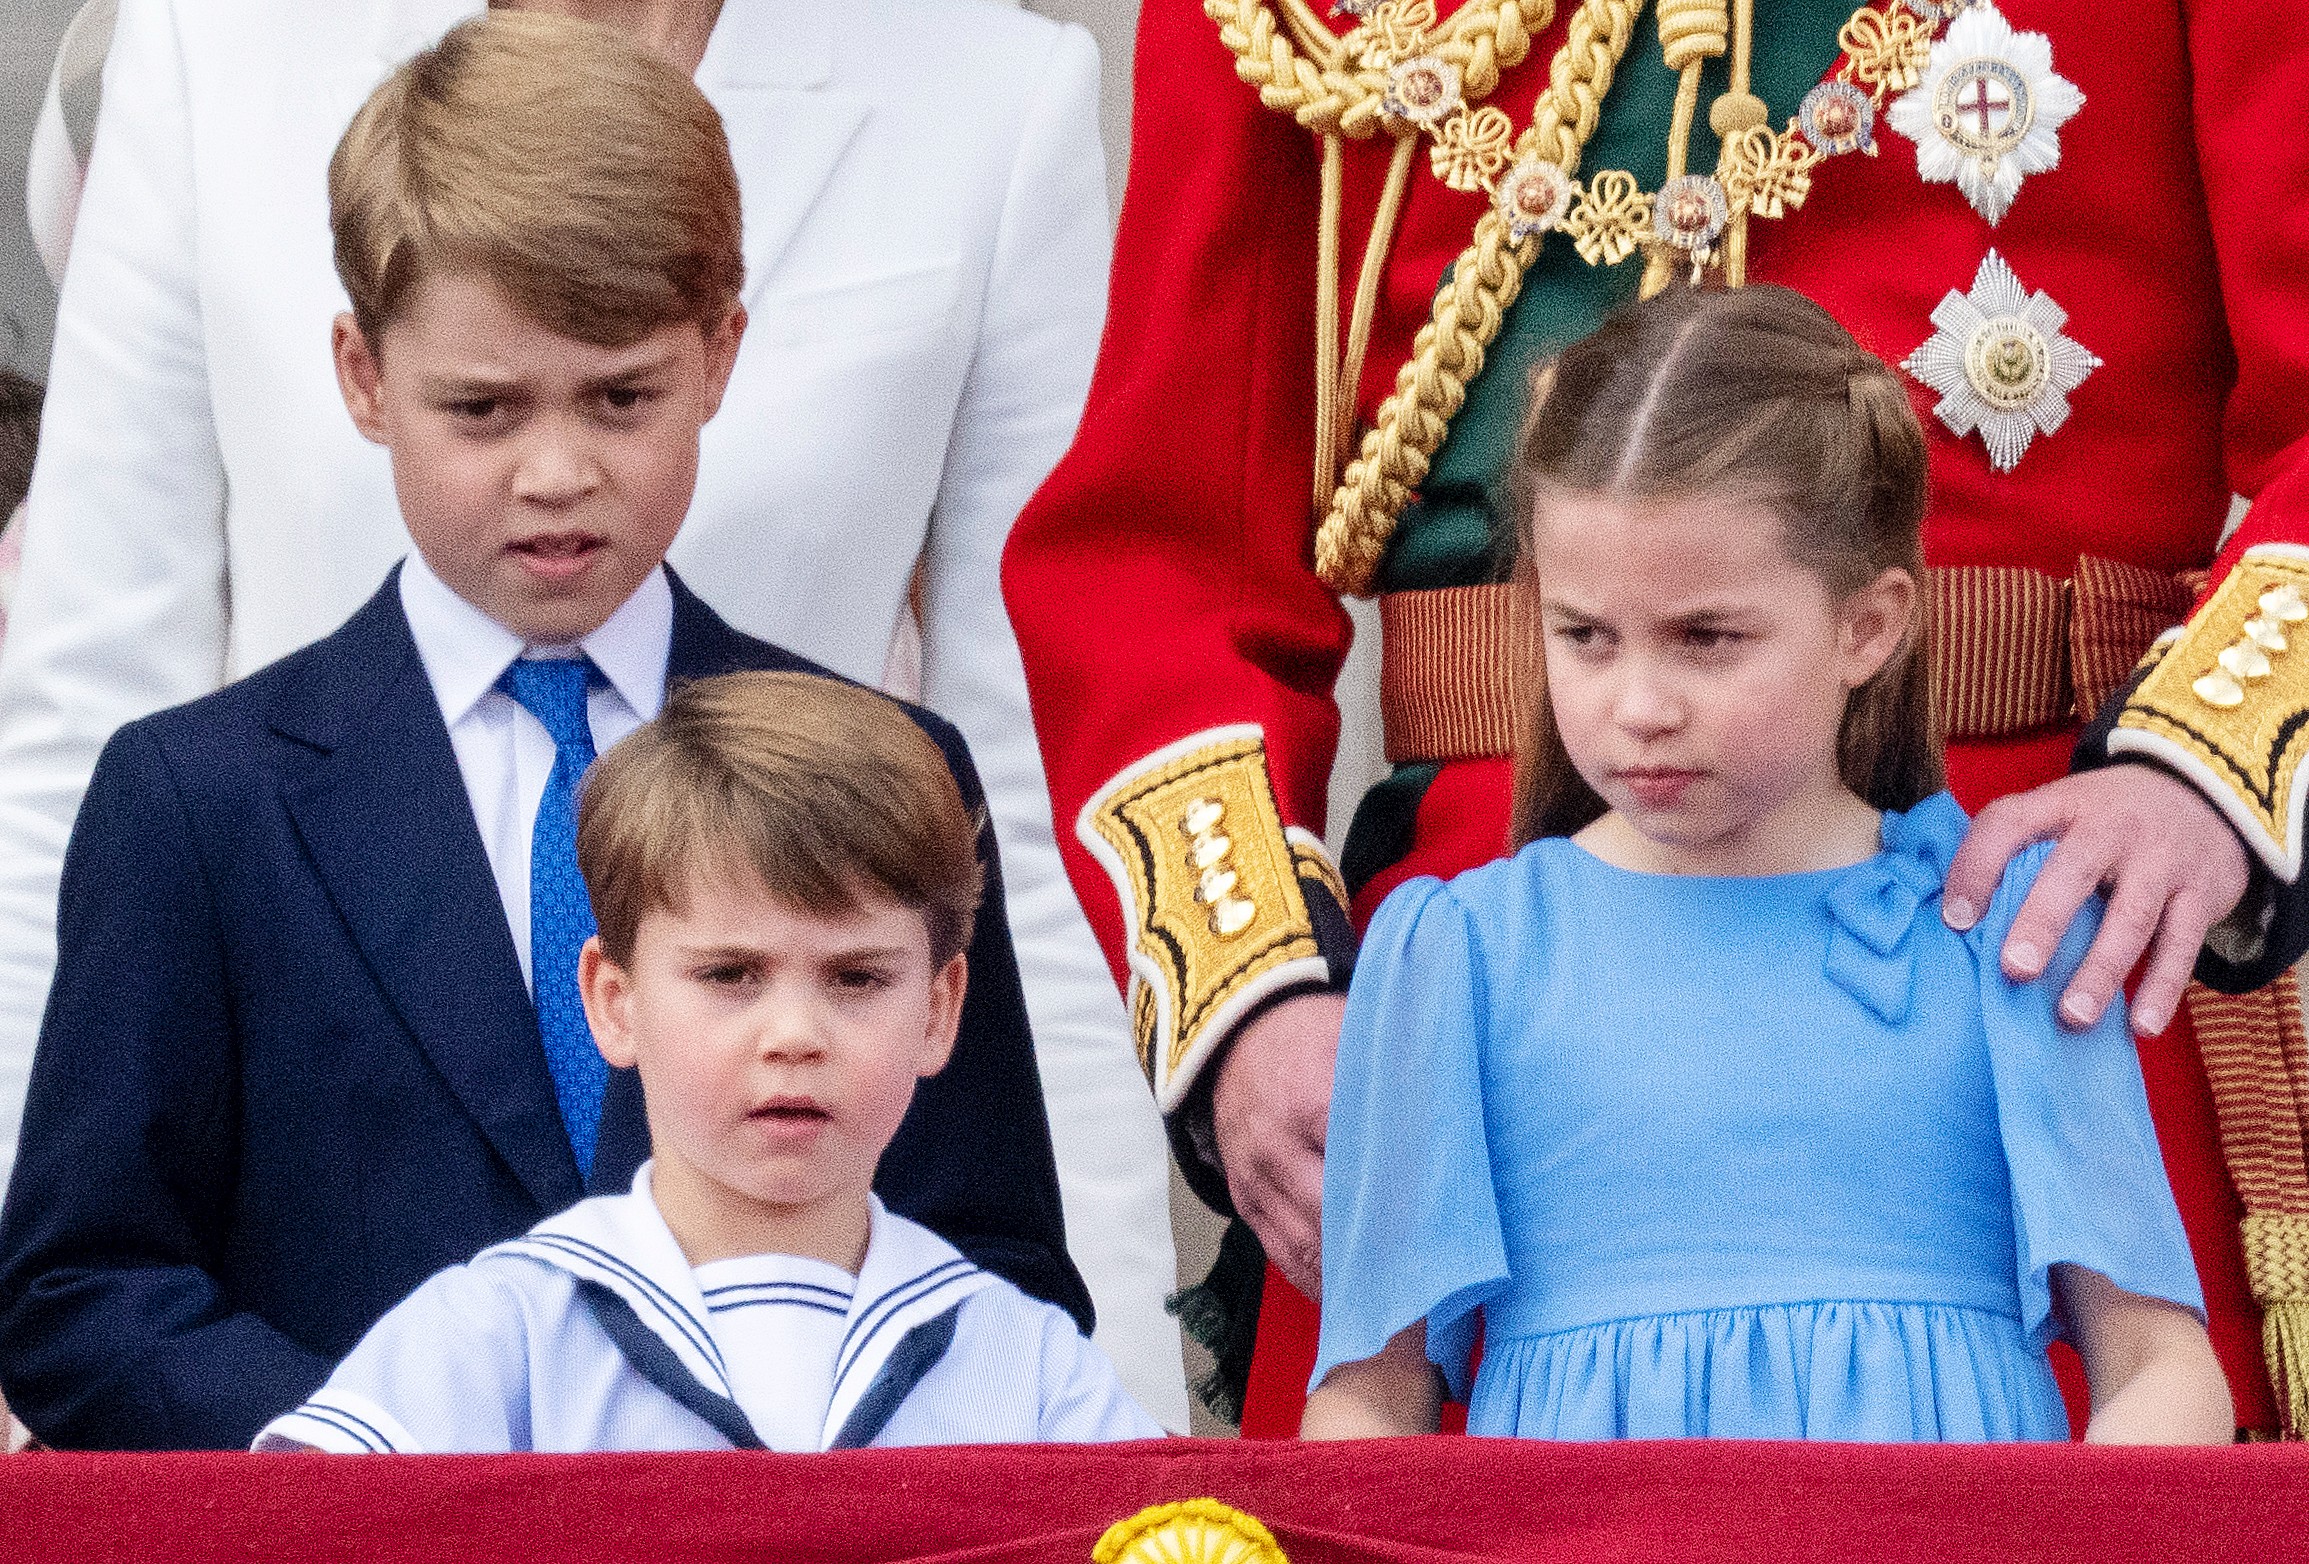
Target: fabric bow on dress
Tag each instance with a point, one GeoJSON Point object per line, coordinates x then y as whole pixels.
{"type": "Point", "coordinates": [1872, 909]}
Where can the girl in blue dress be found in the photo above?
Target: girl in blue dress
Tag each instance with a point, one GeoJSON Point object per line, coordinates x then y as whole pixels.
{"type": "Point", "coordinates": [1694, 1110]}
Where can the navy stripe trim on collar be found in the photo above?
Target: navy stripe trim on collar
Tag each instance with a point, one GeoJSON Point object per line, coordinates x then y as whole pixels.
{"type": "Point", "coordinates": [687, 1323]}
{"type": "Point", "coordinates": [725, 1306]}
{"type": "Point", "coordinates": [837, 1294]}
{"type": "Point", "coordinates": [863, 1329]}
{"type": "Point", "coordinates": [654, 1361]}
{"type": "Point", "coordinates": [918, 1352]}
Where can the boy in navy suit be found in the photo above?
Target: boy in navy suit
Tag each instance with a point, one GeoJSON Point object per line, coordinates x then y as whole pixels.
{"type": "Point", "coordinates": [315, 1030]}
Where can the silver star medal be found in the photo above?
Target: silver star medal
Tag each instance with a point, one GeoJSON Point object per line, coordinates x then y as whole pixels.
{"type": "Point", "coordinates": [2000, 363]}
{"type": "Point", "coordinates": [1988, 112]}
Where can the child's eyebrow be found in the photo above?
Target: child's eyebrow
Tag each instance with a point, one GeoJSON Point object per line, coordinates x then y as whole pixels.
{"type": "Point", "coordinates": [867, 953]}
{"type": "Point", "coordinates": [471, 385]}
{"type": "Point", "coordinates": [626, 374]}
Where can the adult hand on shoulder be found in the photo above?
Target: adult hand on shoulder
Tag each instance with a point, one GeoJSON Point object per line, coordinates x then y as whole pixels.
{"type": "Point", "coordinates": [2172, 865]}
{"type": "Point", "coordinates": [1270, 1108]}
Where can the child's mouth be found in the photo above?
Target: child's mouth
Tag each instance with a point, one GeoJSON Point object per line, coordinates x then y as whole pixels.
{"type": "Point", "coordinates": [791, 1111]}
{"type": "Point", "coordinates": [557, 555]}
{"type": "Point", "coordinates": [1658, 787]}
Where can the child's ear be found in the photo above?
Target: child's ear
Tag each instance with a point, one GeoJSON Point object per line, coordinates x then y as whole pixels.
{"type": "Point", "coordinates": [946, 992]}
{"type": "Point", "coordinates": [1874, 624]}
{"type": "Point", "coordinates": [608, 995]}
{"type": "Point", "coordinates": [360, 378]}
{"type": "Point", "coordinates": [722, 355]}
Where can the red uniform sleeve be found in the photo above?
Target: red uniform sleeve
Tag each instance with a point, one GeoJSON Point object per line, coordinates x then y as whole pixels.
{"type": "Point", "coordinates": [1162, 582]}
{"type": "Point", "coordinates": [2251, 103]}
{"type": "Point", "coordinates": [2223, 704]}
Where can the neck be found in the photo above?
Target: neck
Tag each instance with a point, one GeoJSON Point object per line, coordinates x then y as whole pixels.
{"type": "Point", "coordinates": [1825, 828]}
{"type": "Point", "coordinates": [713, 1222]}
{"type": "Point", "coordinates": [674, 30]}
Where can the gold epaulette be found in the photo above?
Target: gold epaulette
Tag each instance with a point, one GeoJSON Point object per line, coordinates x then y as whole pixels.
{"type": "Point", "coordinates": [1209, 879]}
{"type": "Point", "coordinates": [2226, 702]}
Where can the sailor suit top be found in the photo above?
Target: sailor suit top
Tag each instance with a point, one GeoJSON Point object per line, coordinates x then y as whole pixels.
{"type": "Point", "coordinates": [593, 1332]}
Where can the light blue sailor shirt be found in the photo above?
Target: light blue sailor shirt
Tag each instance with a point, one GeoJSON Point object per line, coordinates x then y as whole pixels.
{"type": "Point", "coordinates": [593, 1332]}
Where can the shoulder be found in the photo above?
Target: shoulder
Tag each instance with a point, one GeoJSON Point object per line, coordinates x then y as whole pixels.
{"type": "Point", "coordinates": [314, 687]}
{"type": "Point", "coordinates": [488, 1309]}
{"type": "Point", "coordinates": [1495, 895]}
{"type": "Point", "coordinates": [1080, 1395]}
{"type": "Point", "coordinates": [707, 645]}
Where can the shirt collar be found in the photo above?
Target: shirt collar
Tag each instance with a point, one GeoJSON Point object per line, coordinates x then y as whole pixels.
{"type": "Point", "coordinates": [465, 651]}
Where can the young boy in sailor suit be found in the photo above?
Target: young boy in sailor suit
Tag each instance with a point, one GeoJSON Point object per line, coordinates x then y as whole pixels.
{"type": "Point", "coordinates": [785, 879]}
{"type": "Point", "coordinates": [316, 1030]}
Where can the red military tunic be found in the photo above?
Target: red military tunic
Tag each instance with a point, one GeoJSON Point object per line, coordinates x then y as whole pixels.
{"type": "Point", "coordinates": [1163, 584]}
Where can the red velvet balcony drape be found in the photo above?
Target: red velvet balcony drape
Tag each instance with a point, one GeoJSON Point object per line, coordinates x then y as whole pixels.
{"type": "Point", "coordinates": [1399, 1502]}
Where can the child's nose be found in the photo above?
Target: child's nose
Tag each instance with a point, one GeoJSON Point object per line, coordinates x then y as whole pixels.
{"type": "Point", "coordinates": [790, 1029]}
{"type": "Point", "coordinates": [1649, 701]}
{"type": "Point", "coordinates": [557, 468]}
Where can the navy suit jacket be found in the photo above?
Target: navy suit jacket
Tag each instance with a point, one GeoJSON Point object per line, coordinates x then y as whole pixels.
{"type": "Point", "coordinates": [289, 1066]}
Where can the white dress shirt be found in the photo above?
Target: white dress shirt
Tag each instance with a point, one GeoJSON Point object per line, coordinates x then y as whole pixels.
{"type": "Point", "coordinates": [504, 753]}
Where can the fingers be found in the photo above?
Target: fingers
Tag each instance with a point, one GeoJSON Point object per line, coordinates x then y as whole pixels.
{"type": "Point", "coordinates": [2188, 917]}
{"type": "Point", "coordinates": [2134, 914]}
{"type": "Point", "coordinates": [1281, 1196]}
{"type": "Point", "coordinates": [2172, 959]}
{"type": "Point", "coordinates": [2075, 871]}
{"type": "Point", "coordinates": [1998, 832]}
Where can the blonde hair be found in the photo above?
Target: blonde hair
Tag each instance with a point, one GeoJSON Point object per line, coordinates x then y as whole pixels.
{"type": "Point", "coordinates": [587, 178]}
{"type": "Point", "coordinates": [826, 791]}
{"type": "Point", "coordinates": [1759, 393]}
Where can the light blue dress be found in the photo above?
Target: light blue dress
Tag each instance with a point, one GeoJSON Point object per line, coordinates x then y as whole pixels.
{"type": "Point", "coordinates": [1775, 1157]}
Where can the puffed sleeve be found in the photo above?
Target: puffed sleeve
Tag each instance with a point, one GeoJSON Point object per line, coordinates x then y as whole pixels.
{"type": "Point", "coordinates": [446, 1371]}
{"type": "Point", "coordinates": [1410, 1218]}
{"type": "Point", "coordinates": [2088, 1181]}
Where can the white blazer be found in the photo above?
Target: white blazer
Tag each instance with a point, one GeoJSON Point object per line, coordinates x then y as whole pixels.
{"type": "Point", "coordinates": [926, 243]}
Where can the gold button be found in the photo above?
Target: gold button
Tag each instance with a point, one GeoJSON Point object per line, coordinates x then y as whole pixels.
{"type": "Point", "coordinates": [2244, 661]}
{"type": "Point", "coordinates": [1231, 916]}
{"type": "Point", "coordinates": [1202, 815]}
{"type": "Point", "coordinates": [2265, 634]}
{"type": "Point", "coordinates": [1215, 885]}
{"type": "Point", "coordinates": [2284, 603]}
{"type": "Point", "coordinates": [2218, 689]}
{"type": "Point", "coordinates": [1209, 851]}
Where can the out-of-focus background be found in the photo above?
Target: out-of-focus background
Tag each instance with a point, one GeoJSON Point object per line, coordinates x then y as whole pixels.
{"type": "Point", "coordinates": [29, 32]}
{"type": "Point", "coordinates": [31, 29]}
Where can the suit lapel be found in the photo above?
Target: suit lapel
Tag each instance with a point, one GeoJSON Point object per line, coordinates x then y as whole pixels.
{"type": "Point", "coordinates": [765, 71]}
{"type": "Point", "coordinates": [706, 644]}
{"type": "Point", "coordinates": [384, 813]}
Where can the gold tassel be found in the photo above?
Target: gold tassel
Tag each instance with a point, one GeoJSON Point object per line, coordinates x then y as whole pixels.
{"type": "Point", "coordinates": [2277, 1268]}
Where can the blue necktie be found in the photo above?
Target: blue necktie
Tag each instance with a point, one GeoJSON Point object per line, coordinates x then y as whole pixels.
{"type": "Point", "coordinates": [560, 916]}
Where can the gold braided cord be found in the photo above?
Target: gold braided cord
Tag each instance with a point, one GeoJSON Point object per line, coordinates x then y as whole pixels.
{"type": "Point", "coordinates": [2257, 1064]}
{"type": "Point", "coordinates": [1327, 316]}
{"type": "Point", "coordinates": [1448, 352]}
{"type": "Point", "coordinates": [1337, 375]}
{"type": "Point", "coordinates": [1342, 91]}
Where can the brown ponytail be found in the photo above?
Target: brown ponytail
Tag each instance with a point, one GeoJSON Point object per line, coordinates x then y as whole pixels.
{"type": "Point", "coordinates": [1757, 392]}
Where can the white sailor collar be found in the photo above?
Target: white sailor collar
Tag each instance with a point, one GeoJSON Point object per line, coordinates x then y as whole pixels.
{"type": "Point", "coordinates": [899, 1324]}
